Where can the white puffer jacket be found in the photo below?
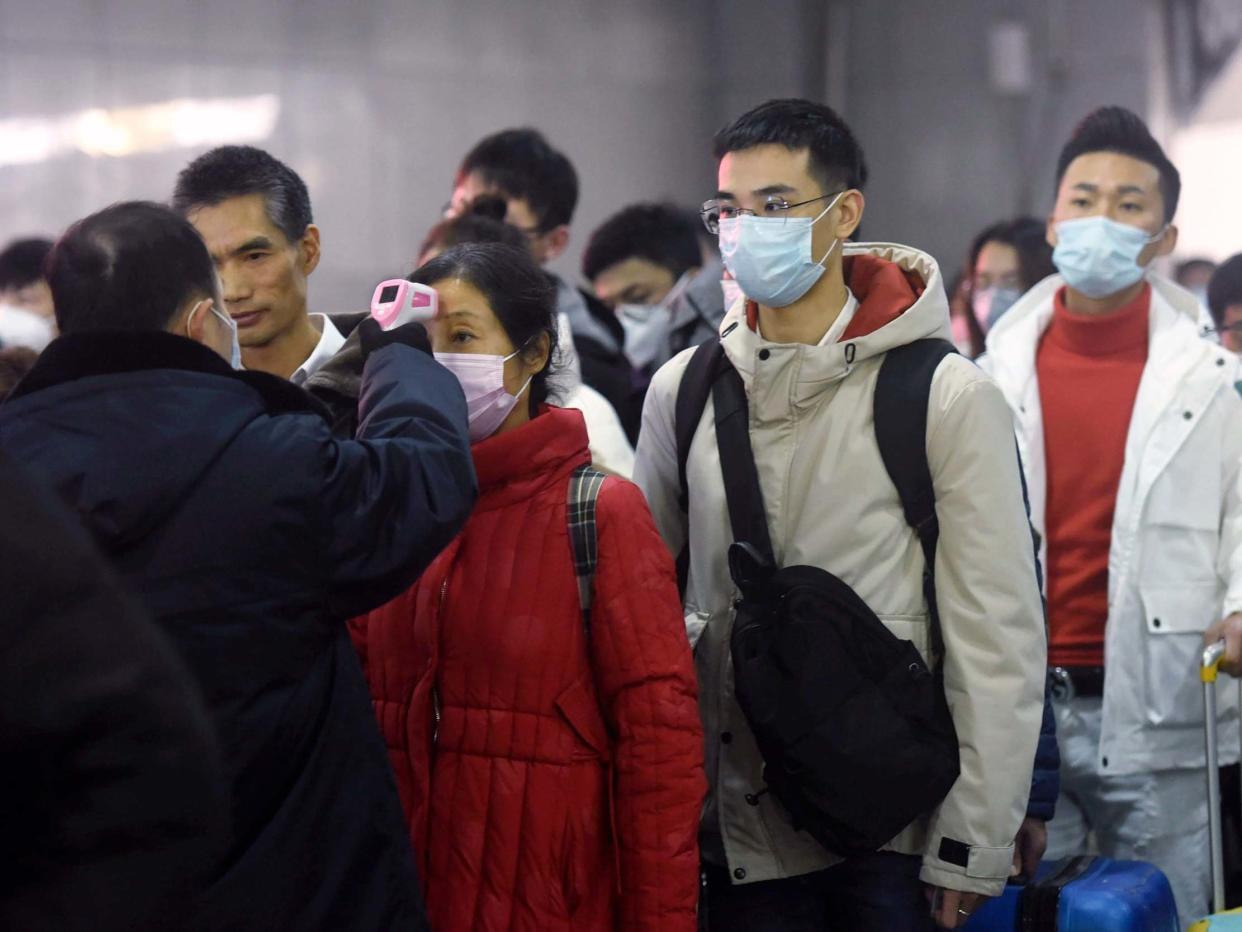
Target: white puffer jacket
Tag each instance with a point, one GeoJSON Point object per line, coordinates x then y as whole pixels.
{"type": "Point", "coordinates": [1175, 564]}
{"type": "Point", "coordinates": [831, 504]}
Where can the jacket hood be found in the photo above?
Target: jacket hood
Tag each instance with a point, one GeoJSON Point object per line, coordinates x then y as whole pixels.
{"type": "Point", "coordinates": [702, 298]}
{"type": "Point", "coordinates": [125, 424]}
{"type": "Point", "coordinates": [901, 299]}
{"type": "Point", "coordinates": [1038, 301]}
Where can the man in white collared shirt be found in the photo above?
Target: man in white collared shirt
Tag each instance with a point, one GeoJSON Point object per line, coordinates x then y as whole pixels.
{"type": "Point", "coordinates": [254, 214]}
{"type": "Point", "coordinates": [330, 342]}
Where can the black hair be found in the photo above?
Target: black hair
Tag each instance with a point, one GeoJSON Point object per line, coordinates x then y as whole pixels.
{"type": "Point", "coordinates": [1029, 238]}
{"type": "Point", "coordinates": [1225, 288]}
{"type": "Point", "coordinates": [521, 295]}
{"type": "Point", "coordinates": [523, 166]}
{"type": "Point", "coordinates": [132, 266]}
{"type": "Point", "coordinates": [482, 222]}
{"type": "Point", "coordinates": [660, 233]}
{"type": "Point", "coordinates": [21, 262]}
{"type": "Point", "coordinates": [1116, 129]}
{"type": "Point", "coordinates": [836, 158]}
{"type": "Point", "coordinates": [1187, 266]}
{"type": "Point", "coordinates": [238, 171]}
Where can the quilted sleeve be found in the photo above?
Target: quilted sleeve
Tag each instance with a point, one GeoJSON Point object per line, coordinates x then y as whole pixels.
{"type": "Point", "coordinates": [645, 677]}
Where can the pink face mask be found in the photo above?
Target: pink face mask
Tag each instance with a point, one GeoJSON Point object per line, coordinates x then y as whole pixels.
{"type": "Point", "coordinates": [482, 378]}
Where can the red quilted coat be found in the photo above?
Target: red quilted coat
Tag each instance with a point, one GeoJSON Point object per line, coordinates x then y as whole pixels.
{"type": "Point", "coordinates": [552, 780]}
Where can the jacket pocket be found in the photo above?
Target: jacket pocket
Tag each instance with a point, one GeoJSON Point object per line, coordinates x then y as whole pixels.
{"type": "Point", "coordinates": [1174, 619]}
{"type": "Point", "coordinates": [578, 706]}
{"type": "Point", "coordinates": [1180, 535]}
{"type": "Point", "coordinates": [913, 628]}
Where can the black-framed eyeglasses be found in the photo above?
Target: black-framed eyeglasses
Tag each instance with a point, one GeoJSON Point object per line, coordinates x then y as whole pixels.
{"type": "Point", "coordinates": [1235, 327]}
{"type": "Point", "coordinates": [714, 211]}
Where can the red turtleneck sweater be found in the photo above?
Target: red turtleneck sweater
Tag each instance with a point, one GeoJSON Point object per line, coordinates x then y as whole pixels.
{"type": "Point", "coordinates": [1089, 370]}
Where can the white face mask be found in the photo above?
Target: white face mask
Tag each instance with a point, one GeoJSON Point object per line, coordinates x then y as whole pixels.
{"type": "Point", "coordinates": [646, 326]}
{"type": "Point", "coordinates": [20, 327]}
{"type": "Point", "coordinates": [482, 378]}
{"type": "Point", "coordinates": [770, 257]}
{"type": "Point", "coordinates": [235, 348]}
{"type": "Point", "coordinates": [732, 292]}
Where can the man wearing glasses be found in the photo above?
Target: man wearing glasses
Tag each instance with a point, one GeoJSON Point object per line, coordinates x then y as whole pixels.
{"type": "Point", "coordinates": [1224, 299]}
{"type": "Point", "coordinates": [808, 341]}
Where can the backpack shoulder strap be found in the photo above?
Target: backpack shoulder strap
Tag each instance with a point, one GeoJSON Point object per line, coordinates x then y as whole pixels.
{"type": "Point", "coordinates": [901, 397]}
{"type": "Point", "coordinates": [584, 488]}
{"type": "Point", "coordinates": [743, 493]}
{"type": "Point", "coordinates": [692, 394]}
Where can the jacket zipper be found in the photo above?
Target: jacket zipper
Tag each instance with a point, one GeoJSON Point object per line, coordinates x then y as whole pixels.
{"type": "Point", "coordinates": [435, 691]}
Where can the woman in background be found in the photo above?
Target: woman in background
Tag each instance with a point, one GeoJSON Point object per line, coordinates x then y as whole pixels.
{"type": "Point", "coordinates": [1005, 261]}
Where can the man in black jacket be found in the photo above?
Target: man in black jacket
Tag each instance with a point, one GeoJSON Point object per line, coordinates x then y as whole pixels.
{"type": "Point", "coordinates": [114, 809]}
{"type": "Point", "coordinates": [251, 534]}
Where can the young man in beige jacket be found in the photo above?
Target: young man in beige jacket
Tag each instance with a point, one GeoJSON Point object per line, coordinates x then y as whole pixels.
{"type": "Point", "coordinates": [808, 345]}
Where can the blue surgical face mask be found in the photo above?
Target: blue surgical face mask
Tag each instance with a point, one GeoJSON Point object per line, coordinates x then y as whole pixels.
{"type": "Point", "coordinates": [1098, 256]}
{"type": "Point", "coordinates": [770, 257]}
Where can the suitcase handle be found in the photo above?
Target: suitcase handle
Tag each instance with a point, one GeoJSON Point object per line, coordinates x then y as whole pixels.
{"type": "Point", "coordinates": [1209, 670]}
{"type": "Point", "coordinates": [1213, 654]}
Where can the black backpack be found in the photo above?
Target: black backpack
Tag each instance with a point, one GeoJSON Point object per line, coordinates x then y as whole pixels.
{"type": "Point", "coordinates": [854, 729]}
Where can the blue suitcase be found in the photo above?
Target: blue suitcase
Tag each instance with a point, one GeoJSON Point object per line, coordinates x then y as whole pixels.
{"type": "Point", "coordinates": [1083, 894]}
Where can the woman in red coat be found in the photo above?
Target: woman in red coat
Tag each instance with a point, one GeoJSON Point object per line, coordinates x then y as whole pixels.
{"type": "Point", "coordinates": [552, 778]}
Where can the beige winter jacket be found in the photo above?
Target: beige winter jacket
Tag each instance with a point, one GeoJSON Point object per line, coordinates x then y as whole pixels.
{"type": "Point", "coordinates": [831, 504]}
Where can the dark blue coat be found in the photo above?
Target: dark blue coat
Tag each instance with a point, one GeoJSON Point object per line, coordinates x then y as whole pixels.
{"type": "Point", "coordinates": [1046, 780]}
{"type": "Point", "coordinates": [251, 534]}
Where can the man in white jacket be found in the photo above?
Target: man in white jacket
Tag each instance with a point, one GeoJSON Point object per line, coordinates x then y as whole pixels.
{"type": "Point", "coordinates": [1127, 424]}
{"type": "Point", "coordinates": [808, 348]}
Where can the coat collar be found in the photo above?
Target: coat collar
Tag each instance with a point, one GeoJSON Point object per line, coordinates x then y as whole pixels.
{"type": "Point", "coordinates": [113, 352]}
{"type": "Point", "coordinates": [516, 464]}
{"type": "Point", "coordinates": [900, 298]}
{"type": "Point", "coordinates": [1175, 346]}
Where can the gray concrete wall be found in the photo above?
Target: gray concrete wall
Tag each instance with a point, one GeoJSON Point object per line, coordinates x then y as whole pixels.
{"type": "Point", "coordinates": [948, 154]}
{"type": "Point", "coordinates": [379, 101]}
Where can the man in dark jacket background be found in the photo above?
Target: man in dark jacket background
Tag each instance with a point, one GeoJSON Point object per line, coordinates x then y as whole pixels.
{"type": "Point", "coordinates": [251, 534]}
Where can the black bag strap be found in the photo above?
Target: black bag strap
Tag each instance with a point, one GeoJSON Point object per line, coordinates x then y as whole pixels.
{"type": "Point", "coordinates": [584, 488]}
{"type": "Point", "coordinates": [901, 397]}
{"type": "Point", "coordinates": [743, 493]}
{"type": "Point", "coordinates": [692, 395]}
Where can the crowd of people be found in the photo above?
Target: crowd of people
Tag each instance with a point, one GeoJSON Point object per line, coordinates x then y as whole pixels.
{"type": "Point", "coordinates": [712, 594]}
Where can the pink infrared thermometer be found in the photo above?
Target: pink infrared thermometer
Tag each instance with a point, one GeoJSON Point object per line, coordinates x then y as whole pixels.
{"type": "Point", "coordinates": [398, 302]}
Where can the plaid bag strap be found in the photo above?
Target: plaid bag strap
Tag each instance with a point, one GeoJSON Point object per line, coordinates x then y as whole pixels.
{"type": "Point", "coordinates": [584, 486]}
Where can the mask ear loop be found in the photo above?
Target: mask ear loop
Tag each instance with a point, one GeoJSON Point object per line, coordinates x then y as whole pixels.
{"type": "Point", "coordinates": [831, 205]}
{"type": "Point", "coordinates": [531, 377]}
{"type": "Point", "coordinates": [189, 320]}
